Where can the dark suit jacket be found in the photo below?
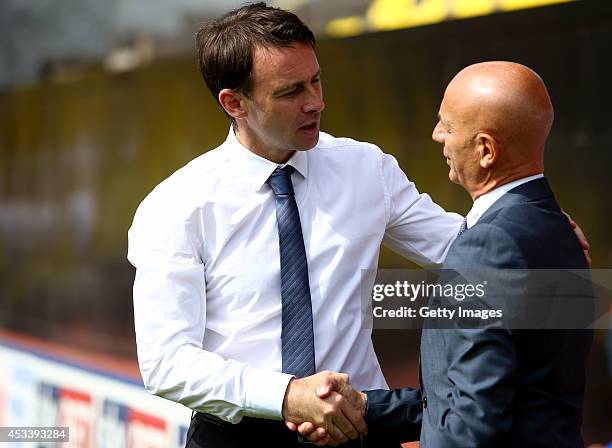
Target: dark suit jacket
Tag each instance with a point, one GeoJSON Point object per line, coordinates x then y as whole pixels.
{"type": "Point", "coordinates": [498, 387]}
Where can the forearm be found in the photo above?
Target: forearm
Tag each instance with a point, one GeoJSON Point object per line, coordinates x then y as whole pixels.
{"type": "Point", "coordinates": [395, 414]}
{"type": "Point", "coordinates": [205, 382]}
{"type": "Point", "coordinates": [170, 324]}
{"type": "Point", "coordinates": [417, 228]}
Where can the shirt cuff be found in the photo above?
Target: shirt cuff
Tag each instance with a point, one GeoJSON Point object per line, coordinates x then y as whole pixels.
{"type": "Point", "coordinates": [265, 393]}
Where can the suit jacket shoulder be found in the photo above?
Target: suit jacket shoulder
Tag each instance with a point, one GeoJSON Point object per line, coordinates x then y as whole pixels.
{"type": "Point", "coordinates": [525, 228]}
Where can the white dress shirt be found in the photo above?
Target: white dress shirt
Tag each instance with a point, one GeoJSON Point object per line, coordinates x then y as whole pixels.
{"type": "Point", "coordinates": [482, 203]}
{"type": "Point", "coordinates": [207, 301]}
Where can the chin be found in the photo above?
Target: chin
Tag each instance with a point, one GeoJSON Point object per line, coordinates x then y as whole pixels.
{"type": "Point", "coordinates": [305, 146]}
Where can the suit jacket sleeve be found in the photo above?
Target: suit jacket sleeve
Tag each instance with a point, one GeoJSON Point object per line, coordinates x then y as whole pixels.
{"type": "Point", "coordinates": [482, 362]}
{"type": "Point", "coordinates": [394, 415]}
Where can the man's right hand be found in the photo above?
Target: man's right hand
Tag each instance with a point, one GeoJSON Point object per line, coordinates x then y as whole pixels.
{"type": "Point", "coordinates": [340, 412]}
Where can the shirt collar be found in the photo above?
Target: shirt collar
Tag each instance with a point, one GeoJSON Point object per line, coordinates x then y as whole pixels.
{"type": "Point", "coordinates": [482, 203]}
{"type": "Point", "coordinates": [255, 170]}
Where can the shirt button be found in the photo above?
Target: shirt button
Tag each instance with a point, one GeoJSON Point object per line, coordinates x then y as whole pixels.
{"type": "Point", "coordinates": [425, 401]}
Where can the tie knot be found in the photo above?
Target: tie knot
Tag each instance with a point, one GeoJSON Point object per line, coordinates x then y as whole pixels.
{"type": "Point", "coordinates": [463, 227]}
{"type": "Point", "coordinates": [280, 181]}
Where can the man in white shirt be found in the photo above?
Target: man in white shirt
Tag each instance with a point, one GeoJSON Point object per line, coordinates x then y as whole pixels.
{"type": "Point", "coordinates": [205, 242]}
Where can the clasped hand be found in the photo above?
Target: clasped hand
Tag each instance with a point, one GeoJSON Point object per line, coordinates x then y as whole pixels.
{"type": "Point", "coordinates": [324, 408]}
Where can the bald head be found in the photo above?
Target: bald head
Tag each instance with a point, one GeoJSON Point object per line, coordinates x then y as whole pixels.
{"type": "Point", "coordinates": [507, 99]}
{"type": "Point", "coordinates": [504, 105]}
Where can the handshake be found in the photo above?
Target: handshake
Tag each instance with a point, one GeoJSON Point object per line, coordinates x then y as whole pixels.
{"type": "Point", "coordinates": [324, 408]}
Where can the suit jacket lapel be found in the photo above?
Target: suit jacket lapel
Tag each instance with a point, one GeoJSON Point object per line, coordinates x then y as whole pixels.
{"type": "Point", "coordinates": [534, 190]}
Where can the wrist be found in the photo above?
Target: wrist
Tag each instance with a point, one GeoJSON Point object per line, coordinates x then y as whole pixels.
{"type": "Point", "coordinates": [286, 400]}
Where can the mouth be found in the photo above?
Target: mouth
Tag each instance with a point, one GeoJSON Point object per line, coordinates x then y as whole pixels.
{"type": "Point", "coordinates": [311, 127]}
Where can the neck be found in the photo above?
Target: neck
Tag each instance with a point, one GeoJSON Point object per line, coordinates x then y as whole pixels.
{"type": "Point", "coordinates": [253, 144]}
{"type": "Point", "coordinates": [496, 181]}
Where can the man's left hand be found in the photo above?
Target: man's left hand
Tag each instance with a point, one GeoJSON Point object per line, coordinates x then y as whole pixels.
{"type": "Point", "coordinates": [581, 238]}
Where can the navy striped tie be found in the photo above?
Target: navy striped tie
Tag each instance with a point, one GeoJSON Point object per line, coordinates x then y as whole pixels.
{"type": "Point", "coordinates": [463, 227]}
{"type": "Point", "coordinates": [297, 336]}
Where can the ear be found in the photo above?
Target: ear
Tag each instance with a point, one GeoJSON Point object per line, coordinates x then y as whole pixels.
{"type": "Point", "coordinates": [232, 102]}
{"type": "Point", "coordinates": [488, 150]}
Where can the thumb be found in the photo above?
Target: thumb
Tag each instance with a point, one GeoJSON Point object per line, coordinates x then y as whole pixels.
{"type": "Point", "coordinates": [325, 388]}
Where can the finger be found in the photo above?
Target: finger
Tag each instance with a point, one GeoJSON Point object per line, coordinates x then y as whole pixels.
{"type": "Point", "coordinates": [579, 233]}
{"type": "Point", "coordinates": [292, 426]}
{"type": "Point", "coordinates": [353, 396]}
{"type": "Point", "coordinates": [588, 257]}
{"type": "Point", "coordinates": [583, 240]}
{"type": "Point", "coordinates": [327, 441]}
{"type": "Point", "coordinates": [354, 417]}
{"type": "Point", "coordinates": [306, 428]}
{"type": "Point", "coordinates": [321, 433]}
{"type": "Point", "coordinates": [325, 388]}
{"type": "Point", "coordinates": [317, 435]}
{"type": "Point", "coordinates": [581, 237]}
{"type": "Point", "coordinates": [332, 381]}
{"type": "Point", "coordinates": [336, 435]}
{"type": "Point", "coordinates": [341, 421]}
{"type": "Point", "coordinates": [569, 218]}
{"type": "Point", "coordinates": [337, 415]}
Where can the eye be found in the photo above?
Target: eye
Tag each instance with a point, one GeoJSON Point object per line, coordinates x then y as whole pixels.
{"type": "Point", "coordinates": [291, 92]}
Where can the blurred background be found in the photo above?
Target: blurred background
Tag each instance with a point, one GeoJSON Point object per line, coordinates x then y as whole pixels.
{"type": "Point", "coordinates": [100, 101]}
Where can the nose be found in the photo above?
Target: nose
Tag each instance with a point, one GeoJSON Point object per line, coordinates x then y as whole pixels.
{"type": "Point", "coordinates": [438, 133]}
{"type": "Point", "coordinates": [314, 102]}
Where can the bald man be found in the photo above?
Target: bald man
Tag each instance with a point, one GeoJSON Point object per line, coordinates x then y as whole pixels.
{"type": "Point", "coordinates": [495, 387]}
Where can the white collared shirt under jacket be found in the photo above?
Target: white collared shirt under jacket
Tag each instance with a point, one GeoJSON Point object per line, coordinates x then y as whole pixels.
{"type": "Point", "coordinates": [484, 202]}
{"type": "Point", "coordinates": [207, 300]}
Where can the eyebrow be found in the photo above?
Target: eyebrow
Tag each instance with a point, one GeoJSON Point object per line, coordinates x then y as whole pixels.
{"type": "Point", "coordinates": [291, 86]}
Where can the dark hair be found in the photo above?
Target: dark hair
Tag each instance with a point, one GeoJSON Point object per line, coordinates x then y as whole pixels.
{"type": "Point", "coordinates": [225, 45]}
